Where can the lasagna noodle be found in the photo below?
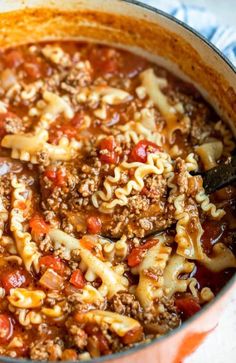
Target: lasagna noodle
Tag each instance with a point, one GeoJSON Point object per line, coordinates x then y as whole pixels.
{"type": "Point", "coordinates": [209, 153]}
{"type": "Point", "coordinates": [156, 258]}
{"type": "Point", "coordinates": [119, 324]}
{"type": "Point", "coordinates": [3, 216]}
{"type": "Point", "coordinates": [176, 266]}
{"type": "Point", "coordinates": [27, 147]}
{"type": "Point", "coordinates": [135, 131]}
{"type": "Point", "coordinates": [26, 317]}
{"type": "Point", "coordinates": [27, 249]}
{"type": "Point", "coordinates": [222, 258]}
{"type": "Point", "coordinates": [26, 299]}
{"type": "Point", "coordinates": [189, 244]}
{"type": "Point", "coordinates": [153, 86]}
{"type": "Point", "coordinates": [191, 163]}
{"type": "Point", "coordinates": [112, 96]}
{"type": "Point", "coordinates": [53, 106]}
{"type": "Point", "coordinates": [56, 312]}
{"type": "Point", "coordinates": [158, 164]}
{"type": "Point", "coordinates": [112, 281]}
{"type": "Point", "coordinates": [228, 141]}
{"type": "Point", "coordinates": [208, 207]}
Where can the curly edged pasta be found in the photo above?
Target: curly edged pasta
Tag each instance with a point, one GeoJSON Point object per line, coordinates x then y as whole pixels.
{"type": "Point", "coordinates": [112, 280]}
{"type": "Point", "coordinates": [104, 95]}
{"type": "Point", "coordinates": [50, 108]}
{"type": "Point", "coordinates": [123, 326]}
{"type": "Point", "coordinates": [27, 249]}
{"type": "Point", "coordinates": [150, 287]}
{"type": "Point", "coordinates": [55, 54]}
{"type": "Point", "coordinates": [56, 312]}
{"type": "Point", "coordinates": [3, 216]}
{"type": "Point", "coordinates": [26, 317]}
{"type": "Point", "coordinates": [153, 86]}
{"type": "Point", "coordinates": [189, 243]}
{"type": "Point", "coordinates": [8, 244]}
{"type": "Point", "coordinates": [64, 151]}
{"type": "Point", "coordinates": [28, 147]}
{"type": "Point", "coordinates": [176, 266]}
{"type": "Point", "coordinates": [157, 164]}
{"type": "Point", "coordinates": [229, 144]}
{"type": "Point", "coordinates": [191, 163]}
{"type": "Point", "coordinates": [90, 295]}
{"type": "Point", "coordinates": [112, 95]}
{"type": "Point", "coordinates": [26, 142]}
{"type": "Point", "coordinates": [135, 131]}
{"type": "Point", "coordinates": [118, 250]}
{"type": "Point", "coordinates": [207, 206]}
{"type": "Point", "coordinates": [26, 299]}
{"type": "Point", "coordinates": [222, 258]}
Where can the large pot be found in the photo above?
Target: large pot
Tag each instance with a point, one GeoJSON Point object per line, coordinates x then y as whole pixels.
{"type": "Point", "coordinates": [163, 39]}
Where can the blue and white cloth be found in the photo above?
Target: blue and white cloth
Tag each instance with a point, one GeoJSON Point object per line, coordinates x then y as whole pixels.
{"type": "Point", "coordinates": [223, 37]}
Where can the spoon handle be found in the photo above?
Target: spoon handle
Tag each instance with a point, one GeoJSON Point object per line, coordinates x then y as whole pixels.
{"type": "Point", "coordinates": [220, 176]}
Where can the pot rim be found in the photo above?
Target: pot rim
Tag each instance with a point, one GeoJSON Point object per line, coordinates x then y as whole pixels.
{"type": "Point", "coordinates": [226, 287]}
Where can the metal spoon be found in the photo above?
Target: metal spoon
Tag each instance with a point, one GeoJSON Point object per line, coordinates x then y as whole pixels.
{"type": "Point", "coordinates": [219, 177]}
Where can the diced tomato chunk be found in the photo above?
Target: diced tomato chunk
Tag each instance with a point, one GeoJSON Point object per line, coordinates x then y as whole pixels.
{"type": "Point", "coordinates": [13, 58]}
{"type": "Point", "coordinates": [133, 336]}
{"type": "Point", "coordinates": [104, 60]}
{"type": "Point", "coordinates": [57, 132]}
{"type": "Point", "coordinates": [77, 279]}
{"type": "Point", "coordinates": [188, 305]}
{"type": "Point", "coordinates": [69, 354]}
{"type": "Point", "coordinates": [142, 149]}
{"type": "Point", "coordinates": [213, 231]}
{"type": "Point", "coordinates": [94, 225]}
{"type": "Point", "coordinates": [150, 243]}
{"type": "Point", "coordinates": [137, 253]}
{"type": "Point", "coordinates": [102, 342]}
{"type": "Point", "coordinates": [110, 158]}
{"type": "Point", "coordinates": [87, 243]}
{"type": "Point", "coordinates": [110, 65]}
{"type": "Point", "coordinates": [55, 263]}
{"type": "Point", "coordinates": [13, 279]}
{"type": "Point", "coordinates": [21, 204]}
{"type": "Point", "coordinates": [32, 70]}
{"type": "Point", "coordinates": [6, 328]}
{"type": "Point", "coordinates": [51, 174]}
{"type": "Point", "coordinates": [38, 225]}
{"type": "Point", "coordinates": [60, 179]}
{"type": "Point", "coordinates": [2, 128]}
{"type": "Point", "coordinates": [57, 176]}
{"type": "Point", "coordinates": [108, 144]}
{"type": "Point", "coordinates": [77, 120]}
{"type": "Point", "coordinates": [135, 256]}
{"type": "Point", "coordinates": [107, 151]}
{"type": "Point", "coordinates": [69, 130]}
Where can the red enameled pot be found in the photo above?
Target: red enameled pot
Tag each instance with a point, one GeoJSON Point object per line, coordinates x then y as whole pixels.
{"type": "Point", "coordinates": [160, 37]}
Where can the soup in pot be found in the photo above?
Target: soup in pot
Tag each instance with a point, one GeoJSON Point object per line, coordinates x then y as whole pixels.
{"type": "Point", "coordinates": [107, 236]}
